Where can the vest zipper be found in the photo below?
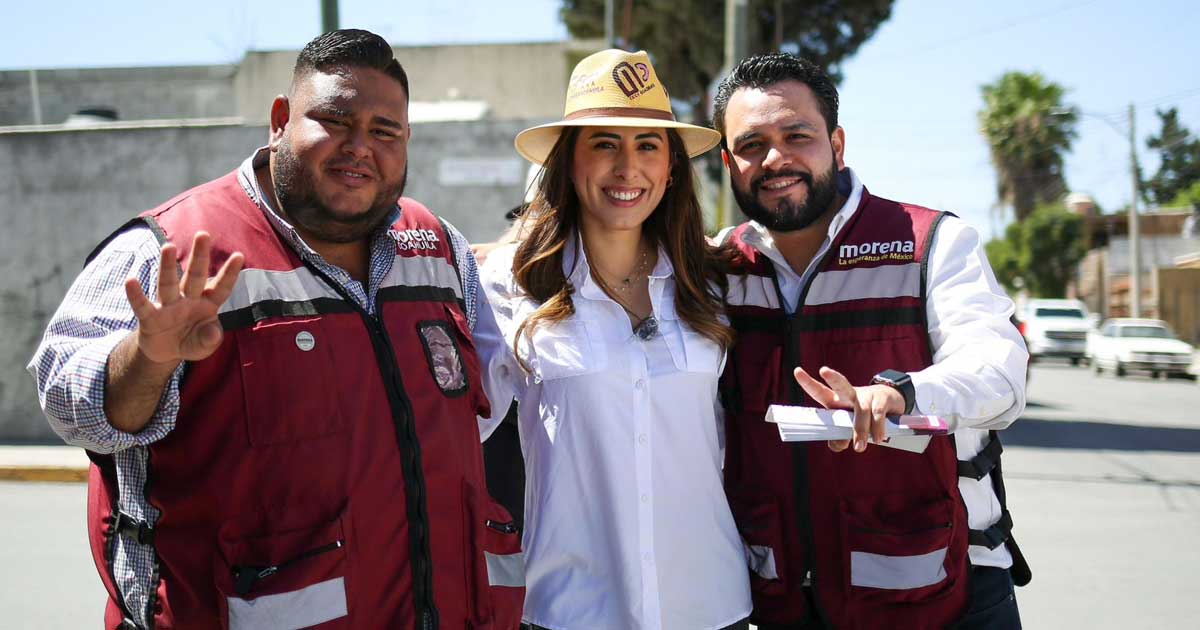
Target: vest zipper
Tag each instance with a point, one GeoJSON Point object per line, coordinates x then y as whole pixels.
{"type": "Point", "coordinates": [404, 422]}
{"type": "Point", "coordinates": [800, 452]}
{"type": "Point", "coordinates": [245, 577]}
{"type": "Point", "coordinates": [414, 476]}
{"type": "Point", "coordinates": [506, 528]}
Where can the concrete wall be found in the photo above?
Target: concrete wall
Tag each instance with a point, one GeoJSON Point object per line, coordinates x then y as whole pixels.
{"type": "Point", "coordinates": [1179, 301]}
{"type": "Point", "coordinates": [136, 93]}
{"type": "Point", "coordinates": [66, 189]}
{"type": "Point", "coordinates": [518, 81]}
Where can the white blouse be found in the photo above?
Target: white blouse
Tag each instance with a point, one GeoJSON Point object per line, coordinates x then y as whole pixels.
{"type": "Point", "coordinates": [626, 523]}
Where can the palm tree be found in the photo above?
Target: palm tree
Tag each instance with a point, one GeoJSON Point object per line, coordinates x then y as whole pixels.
{"type": "Point", "coordinates": [1028, 129]}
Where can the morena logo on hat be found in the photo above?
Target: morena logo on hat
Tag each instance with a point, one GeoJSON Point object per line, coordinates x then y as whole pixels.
{"type": "Point", "coordinates": [632, 82]}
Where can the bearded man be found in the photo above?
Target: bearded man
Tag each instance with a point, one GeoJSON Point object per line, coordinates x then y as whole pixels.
{"type": "Point", "coordinates": [895, 308]}
{"type": "Point", "coordinates": [283, 429]}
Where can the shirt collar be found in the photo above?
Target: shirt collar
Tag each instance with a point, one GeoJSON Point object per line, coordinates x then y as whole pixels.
{"type": "Point", "coordinates": [761, 239]}
{"type": "Point", "coordinates": [578, 272]}
{"type": "Point", "coordinates": [249, 181]}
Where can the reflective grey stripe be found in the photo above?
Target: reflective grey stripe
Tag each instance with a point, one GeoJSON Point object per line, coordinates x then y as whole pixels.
{"type": "Point", "coordinates": [752, 291]}
{"type": "Point", "coordinates": [423, 271]}
{"type": "Point", "coordinates": [859, 284]}
{"type": "Point", "coordinates": [260, 285]}
{"type": "Point", "coordinates": [897, 572]}
{"type": "Point", "coordinates": [308, 606]}
{"type": "Point", "coordinates": [762, 561]}
{"type": "Point", "coordinates": [507, 570]}
{"type": "Point", "coordinates": [302, 285]}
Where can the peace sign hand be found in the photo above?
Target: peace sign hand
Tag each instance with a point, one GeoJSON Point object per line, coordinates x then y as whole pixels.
{"type": "Point", "coordinates": [871, 404]}
{"type": "Point", "coordinates": [183, 325]}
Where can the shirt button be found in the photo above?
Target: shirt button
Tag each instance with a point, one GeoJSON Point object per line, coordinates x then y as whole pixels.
{"type": "Point", "coordinates": [645, 498]}
{"type": "Point", "coordinates": [640, 384]}
{"type": "Point", "coordinates": [648, 558]}
{"type": "Point", "coordinates": [642, 439]}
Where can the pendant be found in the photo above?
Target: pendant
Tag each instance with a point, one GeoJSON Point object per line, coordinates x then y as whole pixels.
{"type": "Point", "coordinates": [647, 329]}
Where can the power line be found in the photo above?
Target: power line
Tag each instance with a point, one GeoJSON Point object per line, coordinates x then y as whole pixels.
{"type": "Point", "coordinates": [1170, 97]}
{"type": "Point", "coordinates": [994, 29]}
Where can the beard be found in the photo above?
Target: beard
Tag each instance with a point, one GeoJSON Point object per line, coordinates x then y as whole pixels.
{"type": "Point", "coordinates": [302, 204]}
{"type": "Point", "coordinates": [788, 216]}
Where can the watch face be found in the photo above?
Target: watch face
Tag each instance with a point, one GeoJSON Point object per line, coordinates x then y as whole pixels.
{"type": "Point", "coordinates": [894, 378]}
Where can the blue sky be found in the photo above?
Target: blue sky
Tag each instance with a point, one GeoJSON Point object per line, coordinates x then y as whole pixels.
{"type": "Point", "coordinates": [909, 100]}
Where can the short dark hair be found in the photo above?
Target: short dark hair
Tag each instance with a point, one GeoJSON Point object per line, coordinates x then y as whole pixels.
{"type": "Point", "coordinates": [349, 48]}
{"type": "Point", "coordinates": [761, 71]}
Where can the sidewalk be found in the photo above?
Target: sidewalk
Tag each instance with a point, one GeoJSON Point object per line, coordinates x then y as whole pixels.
{"type": "Point", "coordinates": [42, 463]}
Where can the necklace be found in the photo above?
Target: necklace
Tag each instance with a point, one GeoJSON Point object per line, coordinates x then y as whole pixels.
{"type": "Point", "coordinates": [639, 273]}
{"type": "Point", "coordinates": [645, 327]}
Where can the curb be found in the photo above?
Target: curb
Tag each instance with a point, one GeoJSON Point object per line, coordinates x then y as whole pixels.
{"type": "Point", "coordinates": [43, 473]}
{"type": "Point", "coordinates": [43, 463]}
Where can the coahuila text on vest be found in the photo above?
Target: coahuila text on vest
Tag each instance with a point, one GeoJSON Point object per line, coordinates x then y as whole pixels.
{"type": "Point", "coordinates": [414, 239]}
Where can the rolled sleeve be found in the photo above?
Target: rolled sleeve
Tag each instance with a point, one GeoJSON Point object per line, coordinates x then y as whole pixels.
{"type": "Point", "coordinates": [70, 366]}
{"type": "Point", "coordinates": [977, 379]}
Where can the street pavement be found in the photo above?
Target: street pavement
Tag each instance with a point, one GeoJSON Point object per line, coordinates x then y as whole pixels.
{"type": "Point", "coordinates": [1103, 478]}
{"type": "Point", "coordinates": [47, 578]}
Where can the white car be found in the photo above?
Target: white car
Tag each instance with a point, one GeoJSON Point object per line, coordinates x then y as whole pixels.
{"type": "Point", "coordinates": [1056, 328]}
{"type": "Point", "coordinates": [1124, 344]}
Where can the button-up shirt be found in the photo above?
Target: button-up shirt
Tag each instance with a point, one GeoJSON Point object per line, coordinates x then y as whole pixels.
{"type": "Point", "coordinates": [626, 522]}
{"type": "Point", "coordinates": [977, 380]}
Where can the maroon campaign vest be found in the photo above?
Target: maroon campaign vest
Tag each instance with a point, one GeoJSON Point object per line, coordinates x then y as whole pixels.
{"type": "Point", "coordinates": [882, 535]}
{"type": "Point", "coordinates": [324, 460]}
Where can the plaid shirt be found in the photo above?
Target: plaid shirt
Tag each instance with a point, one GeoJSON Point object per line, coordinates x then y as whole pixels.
{"type": "Point", "coordinates": [70, 365]}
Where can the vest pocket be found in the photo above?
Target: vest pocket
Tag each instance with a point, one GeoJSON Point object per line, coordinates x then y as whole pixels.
{"type": "Point", "coordinates": [898, 557]}
{"type": "Point", "coordinates": [293, 578]}
{"type": "Point", "coordinates": [760, 522]}
{"type": "Point", "coordinates": [495, 564]}
{"type": "Point", "coordinates": [288, 381]}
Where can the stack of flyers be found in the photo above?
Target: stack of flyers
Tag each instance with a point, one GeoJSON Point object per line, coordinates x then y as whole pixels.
{"type": "Point", "coordinates": [811, 424]}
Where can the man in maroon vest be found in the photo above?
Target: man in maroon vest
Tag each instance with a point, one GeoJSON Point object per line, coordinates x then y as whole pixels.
{"type": "Point", "coordinates": [856, 302]}
{"type": "Point", "coordinates": [278, 375]}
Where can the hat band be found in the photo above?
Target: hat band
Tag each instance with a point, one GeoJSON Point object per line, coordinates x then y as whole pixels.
{"type": "Point", "coordinates": [620, 112]}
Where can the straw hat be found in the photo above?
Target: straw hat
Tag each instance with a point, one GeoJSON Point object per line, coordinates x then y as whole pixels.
{"type": "Point", "coordinates": [614, 88]}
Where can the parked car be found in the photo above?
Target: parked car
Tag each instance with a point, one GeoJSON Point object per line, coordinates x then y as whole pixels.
{"type": "Point", "coordinates": [1056, 328]}
{"type": "Point", "coordinates": [1124, 344]}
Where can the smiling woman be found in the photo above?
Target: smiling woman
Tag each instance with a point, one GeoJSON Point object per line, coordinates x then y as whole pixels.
{"type": "Point", "coordinates": [610, 306]}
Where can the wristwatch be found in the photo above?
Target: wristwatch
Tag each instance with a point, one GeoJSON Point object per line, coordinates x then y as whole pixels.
{"type": "Point", "coordinates": [902, 383]}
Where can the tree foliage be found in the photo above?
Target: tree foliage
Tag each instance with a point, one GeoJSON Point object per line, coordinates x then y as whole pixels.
{"type": "Point", "coordinates": [686, 38]}
{"type": "Point", "coordinates": [1004, 257]}
{"type": "Point", "coordinates": [1028, 129]}
{"type": "Point", "coordinates": [1188, 197]}
{"type": "Point", "coordinates": [1179, 161]}
{"type": "Point", "coordinates": [1039, 254]}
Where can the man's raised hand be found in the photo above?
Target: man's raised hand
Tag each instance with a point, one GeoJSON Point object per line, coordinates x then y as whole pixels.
{"type": "Point", "coordinates": [183, 325]}
{"type": "Point", "coordinates": [871, 404]}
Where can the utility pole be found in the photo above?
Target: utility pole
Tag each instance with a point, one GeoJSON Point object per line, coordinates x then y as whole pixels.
{"type": "Point", "coordinates": [778, 25]}
{"type": "Point", "coordinates": [35, 98]}
{"type": "Point", "coordinates": [1135, 261]}
{"type": "Point", "coordinates": [608, 24]}
{"type": "Point", "coordinates": [329, 15]}
{"type": "Point", "coordinates": [627, 25]}
{"type": "Point", "coordinates": [735, 50]}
